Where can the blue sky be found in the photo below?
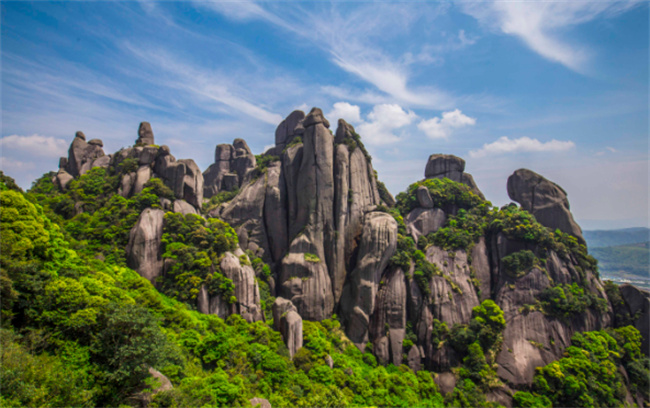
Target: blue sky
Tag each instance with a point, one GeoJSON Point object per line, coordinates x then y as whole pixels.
{"type": "Point", "coordinates": [557, 87]}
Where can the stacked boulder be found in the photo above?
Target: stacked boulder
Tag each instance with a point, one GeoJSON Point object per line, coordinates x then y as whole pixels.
{"type": "Point", "coordinates": [232, 164]}
{"type": "Point", "coordinates": [82, 156]}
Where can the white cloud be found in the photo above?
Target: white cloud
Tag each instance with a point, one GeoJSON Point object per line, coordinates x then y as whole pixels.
{"type": "Point", "coordinates": [343, 110]}
{"type": "Point", "coordinates": [34, 145]}
{"type": "Point", "coordinates": [540, 24]}
{"type": "Point", "coordinates": [383, 121]}
{"type": "Point", "coordinates": [441, 128]}
{"type": "Point", "coordinates": [522, 145]}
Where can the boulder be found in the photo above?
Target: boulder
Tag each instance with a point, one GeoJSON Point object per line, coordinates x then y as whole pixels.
{"type": "Point", "coordinates": [63, 178]}
{"type": "Point", "coordinates": [446, 382]}
{"type": "Point", "coordinates": [545, 200]}
{"type": "Point", "coordinates": [145, 135]}
{"type": "Point", "coordinates": [143, 252]}
{"type": "Point", "coordinates": [183, 207]}
{"type": "Point", "coordinates": [423, 221]}
{"type": "Point", "coordinates": [261, 402]}
{"type": "Point", "coordinates": [288, 322]}
{"type": "Point", "coordinates": [451, 167]}
{"type": "Point", "coordinates": [414, 358]}
{"type": "Point", "coordinates": [286, 130]}
{"type": "Point", "coordinates": [638, 304]}
{"type": "Point", "coordinates": [81, 155]}
{"type": "Point", "coordinates": [212, 304]}
{"type": "Point", "coordinates": [389, 318]}
{"type": "Point", "coordinates": [183, 177]}
{"type": "Point", "coordinates": [424, 197]}
{"type": "Point", "coordinates": [315, 117]}
{"type": "Point", "coordinates": [246, 289]}
{"type": "Point", "coordinates": [232, 163]}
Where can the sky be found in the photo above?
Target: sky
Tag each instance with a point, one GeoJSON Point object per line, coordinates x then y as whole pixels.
{"type": "Point", "coordinates": [560, 87]}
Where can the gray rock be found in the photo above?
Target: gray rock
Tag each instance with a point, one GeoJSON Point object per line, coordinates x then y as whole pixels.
{"type": "Point", "coordinates": [183, 207]}
{"type": "Point", "coordinates": [63, 178]}
{"type": "Point", "coordinates": [446, 382]}
{"type": "Point", "coordinates": [246, 289]}
{"type": "Point", "coordinates": [329, 361]}
{"type": "Point", "coordinates": [378, 243]}
{"type": "Point", "coordinates": [183, 177]}
{"type": "Point", "coordinates": [143, 252]}
{"type": "Point", "coordinates": [126, 185]}
{"type": "Point", "coordinates": [103, 162]}
{"type": "Point", "coordinates": [289, 323]}
{"type": "Point", "coordinates": [545, 200]}
{"type": "Point", "coordinates": [263, 403]}
{"type": "Point", "coordinates": [81, 155]}
{"type": "Point", "coordinates": [389, 317]}
{"type": "Point", "coordinates": [215, 304]}
{"type": "Point", "coordinates": [142, 176]}
{"type": "Point", "coordinates": [451, 167]}
{"type": "Point", "coordinates": [638, 303]}
{"type": "Point", "coordinates": [80, 135]}
{"type": "Point", "coordinates": [286, 130]}
{"type": "Point", "coordinates": [424, 197]}
{"type": "Point", "coordinates": [275, 212]}
{"type": "Point", "coordinates": [315, 117]}
{"type": "Point", "coordinates": [96, 142]}
{"type": "Point", "coordinates": [231, 166]}
{"type": "Point", "coordinates": [414, 359]}
{"type": "Point", "coordinates": [423, 221]}
{"type": "Point", "coordinates": [145, 135]}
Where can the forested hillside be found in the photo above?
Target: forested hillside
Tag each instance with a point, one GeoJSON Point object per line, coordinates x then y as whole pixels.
{"type": "Point", "coordinates": [300, 281]}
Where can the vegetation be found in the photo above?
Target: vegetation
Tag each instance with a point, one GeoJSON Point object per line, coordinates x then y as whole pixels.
{"type": "Point", "coordinates": [218, 199]}
{"type": "Point", "coordinates": [565, 300]}
{"type": "Point", "coordinates": [192, 250]}
{"type": "Point", "coordinates": [520, 263]}
{"type": "Point", "coordinates": [446, 194]}
{"type": "Point", "coordinates": [632, 258]}
{"type": "Point", "coordinates": [588, 375]}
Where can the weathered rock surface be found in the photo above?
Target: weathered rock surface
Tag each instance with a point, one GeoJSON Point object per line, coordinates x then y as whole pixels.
{"type": "Point", "coordinates": [289, 323]}
{"type": "Point", "coordinates": [388, 322]}
{"type": "Point", "coordinates": [143, 250]}
{"type": "Point", "coordinates": [183, 207]}
{"type": "Point", "coordinates": [263, 403]}
{"type": "Point", "coordinates": [246, 290]}
{"type": "Point", "coordinates": [378, 243]}
{"type": "Point", "coordinates": [638, 304]}
{"type": "Point", "coordinates": [232, 163]}
{"type": "Point", "coordinates": [423, 221]}
{"type": "Point", "coordinates": [145, 135]}
{"type": "Point", "coordinates": [81, 155]}
{"type": "Point", "coordinates": [288, 129]}
{"type": "Point", "coordinates": [451, 167]}
{"type": "Point", "coordinates": [545, 200]}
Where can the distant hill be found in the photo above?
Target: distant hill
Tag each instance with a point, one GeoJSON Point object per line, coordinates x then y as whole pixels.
{"type": "Point", "coordinates": [631, 259]}
{"type": "Point", "coordinates": [609, 238]}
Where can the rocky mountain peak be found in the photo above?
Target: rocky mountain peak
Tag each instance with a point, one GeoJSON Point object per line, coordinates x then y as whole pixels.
{"type": "Point", "coordinates": [315, 117]}
{"type": "Point", "coordinates": [145, 135]}
{"type": "Point", "coordinates": [544, 199]}
{"type": "Point", "coordinates": [451, 167]}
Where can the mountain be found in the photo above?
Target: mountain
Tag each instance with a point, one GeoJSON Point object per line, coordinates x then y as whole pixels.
{"type": "Point", "coordinates": [319, 275]}
{"type": "Point", "coordinates": [608, 238]}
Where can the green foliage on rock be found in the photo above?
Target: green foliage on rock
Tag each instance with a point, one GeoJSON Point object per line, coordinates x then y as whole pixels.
{"type": "Point", "coordinates": [565, 300]}
{"type": "Point", "coordinates": [192, 247]}
{"type": "Point", "coordinates": [589, 374]}
{"type": "Point", "coordinates": [519, 263]}
{"type": "Point", "coordinates": [446, 194]}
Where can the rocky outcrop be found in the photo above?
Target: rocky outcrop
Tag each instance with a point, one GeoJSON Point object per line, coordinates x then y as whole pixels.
{"type": "Point", "coordinates": [388, 322]}
{"type": "Point", "coordinates": [545, 200]}
{"type": "Point", "coordinates": [378, 243]}
{"type": "Point", "coordinates": [246, 289]}
{"type": "Point", "coordinates": [260, 402]}
{"type": "Point", "coordinates": [81, 155]}
{"type": "Point", "coordinates": [143, 252]}
{"type": "Point", "coordinates": [451, 167]}
{"type": "Point", "coordinates": [289, 128]}
{"type": "Point", "coordinates": [145, 135]}
{"type": "Point", "coordinates": [637, 302]}
{"type": "Point", "coordinates": [232, 163]}
{"type": "Point", "coordinates": [423, 221]}
{"type": "Point", "coordinates": [288, 322]}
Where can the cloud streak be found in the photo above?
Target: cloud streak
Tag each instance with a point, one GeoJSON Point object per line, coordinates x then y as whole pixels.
{"type": "Point", "coordinates": [441, 128]}
{"type": "Point", "coordinates": [542, 25]}
{"type": "Point", "coordinates": [504, 145]}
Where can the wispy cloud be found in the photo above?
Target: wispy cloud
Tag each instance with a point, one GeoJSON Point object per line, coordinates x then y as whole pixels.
{"type": "Point", "coordinates": [504, 145]}
{"type": "Point", "coordinates": [383, 121]}
{"type": "Point", "coordinates": [343, 110]}
{"type": "Point", "coordinates": [441, 128]}
{"type": "Point", "coordinates": [36, 145]}
{"type": "Point", "coordinates": [542, 25]}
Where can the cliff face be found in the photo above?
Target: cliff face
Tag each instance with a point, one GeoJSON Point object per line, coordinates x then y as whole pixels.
{"type": "Point", "coordinates": [314, 210]}
{"type": "Point", "coordinates": [313, 215]}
